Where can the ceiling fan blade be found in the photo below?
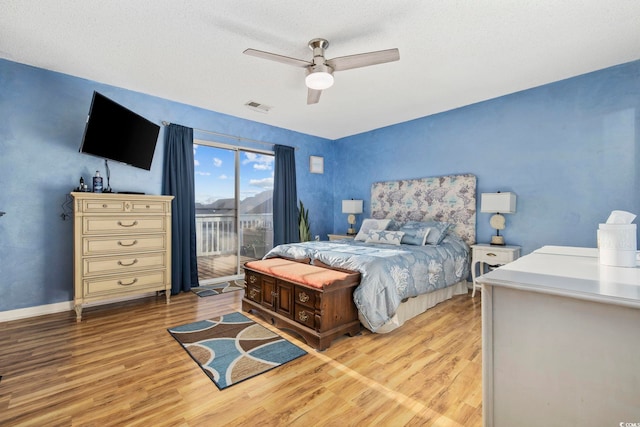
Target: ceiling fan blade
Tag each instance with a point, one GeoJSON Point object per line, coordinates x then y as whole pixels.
{"type": "Point", "coordinates": [363, 59]}
{"type": "Point", "coordinates": [278, 58]}
{"type": "Point", "coordinates": [313, 96]}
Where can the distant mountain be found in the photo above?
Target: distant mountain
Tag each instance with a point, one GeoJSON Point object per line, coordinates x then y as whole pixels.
{"type": "Point", "coordinates": [264, 207]}
{"type": "Point", "coordinates": [260, 203]}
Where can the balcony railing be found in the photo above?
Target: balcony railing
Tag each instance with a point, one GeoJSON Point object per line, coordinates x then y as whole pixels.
{"type": "Point", "coordinates": [216, 234]}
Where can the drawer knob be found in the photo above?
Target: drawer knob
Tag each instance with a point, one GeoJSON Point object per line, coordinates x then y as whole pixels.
{"type": "Point", "coordinates": [253, 292]}
{"type": "Point", "coordinates": [127, 265]}
{"type": "Point", "coordinates": [127, 284]}
{"type": "Point", "coordinates": [133, 224]}
{"type": "Point", "coordinates": [303, 316]}
{"type": "Point", "coordinates": [104, 206]}
{"type": "Point", "coordinates": [130, 244]}
{"type": "Point", "coordinates": [252, 279]}
{"type": "Point", "coordinates": [303, 297]}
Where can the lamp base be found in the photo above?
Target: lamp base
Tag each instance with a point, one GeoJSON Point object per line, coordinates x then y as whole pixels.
{"type": "Point", "coordinates": [497, 240]}
{"type": "Point", "coordinates": [351, 232]}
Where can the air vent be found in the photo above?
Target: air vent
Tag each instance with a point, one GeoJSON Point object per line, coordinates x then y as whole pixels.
{"type": "Point", "coordinates": [256, 106]}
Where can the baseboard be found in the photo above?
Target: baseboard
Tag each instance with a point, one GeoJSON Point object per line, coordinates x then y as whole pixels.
{"type": "Point", "coordinates": [23, 313]}
{"type": "Point", "coordinates": [40, 310]}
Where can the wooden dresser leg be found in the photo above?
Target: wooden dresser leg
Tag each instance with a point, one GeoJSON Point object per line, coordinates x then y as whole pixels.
{"type": "Point", "coordinates": [78, 309]}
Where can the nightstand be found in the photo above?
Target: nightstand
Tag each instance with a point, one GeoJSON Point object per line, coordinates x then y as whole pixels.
{"type": "Point", "coordinates": [492, 256]}
{"type": "Point", "coordinates": [340, 236]}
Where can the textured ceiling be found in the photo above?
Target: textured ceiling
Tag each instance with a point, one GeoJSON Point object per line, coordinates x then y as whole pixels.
{"type": "Point", "coordinates": [452, 53]}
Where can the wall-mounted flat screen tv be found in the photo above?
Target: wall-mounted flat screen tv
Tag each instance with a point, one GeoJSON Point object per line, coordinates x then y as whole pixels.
{"type": "Point", "coordinates": [117, 133]}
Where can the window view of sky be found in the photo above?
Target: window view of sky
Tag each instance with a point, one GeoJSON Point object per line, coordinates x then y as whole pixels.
{"type": "Point", "coordinates": [215, 168]}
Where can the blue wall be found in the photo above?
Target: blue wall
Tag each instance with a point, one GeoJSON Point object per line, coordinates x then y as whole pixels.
{"type": "Point", "coordinates": [569, 150]}
{"type": "Point", "coordinates": [43, 118]}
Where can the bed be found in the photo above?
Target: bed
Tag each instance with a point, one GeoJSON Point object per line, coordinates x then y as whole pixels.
{"type": "Point", "coordinates": [412, 253]}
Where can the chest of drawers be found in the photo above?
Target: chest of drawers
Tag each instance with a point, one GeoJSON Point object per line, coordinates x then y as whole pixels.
{"type": "Point", "coordinates": [122, 246]}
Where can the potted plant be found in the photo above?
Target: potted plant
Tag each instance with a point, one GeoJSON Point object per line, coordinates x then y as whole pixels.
{"type": "Point", "coordinates": [303, 224]}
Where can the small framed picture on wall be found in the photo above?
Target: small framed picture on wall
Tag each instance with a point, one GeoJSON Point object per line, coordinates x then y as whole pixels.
{"type": "Point", "coordinates": [316, 164]}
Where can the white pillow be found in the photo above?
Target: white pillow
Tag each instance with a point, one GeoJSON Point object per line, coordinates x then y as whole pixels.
{"type": "Point", "coordinates": [385, 237]}
{"type": "Point", "coordinates": [371, 224]}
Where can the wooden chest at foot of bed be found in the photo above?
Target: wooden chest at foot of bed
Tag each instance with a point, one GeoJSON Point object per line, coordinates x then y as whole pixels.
{"type": "Point", "coordinates": [314, 302]}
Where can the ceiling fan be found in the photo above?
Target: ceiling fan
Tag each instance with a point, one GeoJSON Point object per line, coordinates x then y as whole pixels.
{"type": "Point", "coordinates": [320, 70]}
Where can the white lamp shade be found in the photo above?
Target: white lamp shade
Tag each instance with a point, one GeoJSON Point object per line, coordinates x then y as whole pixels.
{"type": "Point", "coordinates": [352, 206]}
{"type": "Point", "coordinates": [498, 202]}
{"type": "Point", "coordinates": [319, 80]}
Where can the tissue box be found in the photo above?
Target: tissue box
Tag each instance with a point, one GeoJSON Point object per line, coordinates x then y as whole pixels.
{"type": "Point", "coordinates": [617, 244]}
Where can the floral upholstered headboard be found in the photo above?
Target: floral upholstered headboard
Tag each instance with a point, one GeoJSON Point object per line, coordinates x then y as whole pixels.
{"type": "Point", "coordinates": [450, 198]}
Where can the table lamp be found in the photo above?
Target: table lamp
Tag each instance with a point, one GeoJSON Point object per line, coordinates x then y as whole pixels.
{"type": "Point", "coordinates": [351, 207]}
{"type": "Point", "coordinates": [498, 203]}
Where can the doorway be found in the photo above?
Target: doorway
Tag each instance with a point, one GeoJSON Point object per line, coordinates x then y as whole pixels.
{"type": "Point", "coordinates": [234, 208]}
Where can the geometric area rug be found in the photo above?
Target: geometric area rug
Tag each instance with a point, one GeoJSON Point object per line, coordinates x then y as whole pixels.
{"type": "Point", "coordinates": [217, 289]}
{"type": "Point", "coordinates": [232, 348]}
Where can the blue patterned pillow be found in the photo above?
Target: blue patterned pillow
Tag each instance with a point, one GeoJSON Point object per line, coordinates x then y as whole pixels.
{"type": "Point", "coordinates": [438, 230]}
{"type": "Point", "coordinates": [415, 236]}
{"type": "Point", "coordinates": [394, 225]}
{"type": "Point", "coordinates": [384, 236]}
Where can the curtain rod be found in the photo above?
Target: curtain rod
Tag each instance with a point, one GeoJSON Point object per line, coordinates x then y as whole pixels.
{"type": "Point", "coordinates": [224, 135]}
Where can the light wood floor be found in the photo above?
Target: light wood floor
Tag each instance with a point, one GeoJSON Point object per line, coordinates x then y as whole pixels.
{"type": "Point", "coordinates": [120, 366]}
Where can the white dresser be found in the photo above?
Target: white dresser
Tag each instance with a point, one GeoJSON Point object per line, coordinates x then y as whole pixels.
{"type": "Point", "coordinates": [561, 341]}
{"type": "Point", "coordinates": [122, 246]}
{"type": "Point", "coordinates": [491, 255]}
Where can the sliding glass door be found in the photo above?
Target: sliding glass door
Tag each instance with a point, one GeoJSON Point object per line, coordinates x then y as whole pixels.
{"type": "Point", "coordinates": [234, 208]}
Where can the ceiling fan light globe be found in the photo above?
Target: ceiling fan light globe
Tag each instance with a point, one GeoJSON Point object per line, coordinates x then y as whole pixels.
{"type": "Point", "coordinates": [319, 80]}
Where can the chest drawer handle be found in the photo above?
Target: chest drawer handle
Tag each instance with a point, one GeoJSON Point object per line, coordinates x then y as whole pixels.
{"type": "Point", "coordinates": [491, 254]}
{"type": "Point", "coordinates": [252, 279]}
{"type": "Point", "coordinates": [253, 293]}
{"type": "Point", "coordinates": [127, 284]}
{"type": "Point", "coordinates": [127, 265]}
{"type": "Point", "coordinates": [303, 316]}
{"type": "Point", "coordinates": [131, 244]}
{"type": "Point", "coordinates": [303, 297]}
{"type": "Point", "coordinates": [130, 225]}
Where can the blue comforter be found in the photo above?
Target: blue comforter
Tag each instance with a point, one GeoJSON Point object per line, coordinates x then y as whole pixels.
{"type": "Point", "coordinates": [388, 274]}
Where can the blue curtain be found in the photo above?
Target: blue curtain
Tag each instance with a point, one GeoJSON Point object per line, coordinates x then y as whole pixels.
{"type": "Point", "coordinates": [285, 197]}
{"type": "Point", "coordinates": [178, 182]}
